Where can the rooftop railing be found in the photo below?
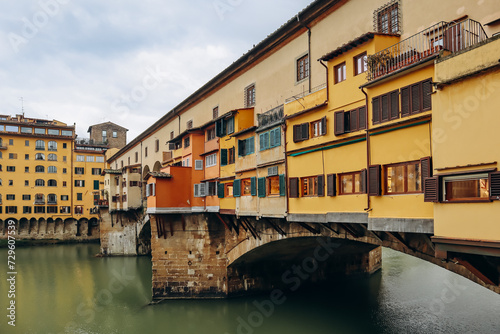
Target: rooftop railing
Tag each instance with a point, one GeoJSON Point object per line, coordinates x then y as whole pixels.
{"type": "Point", "coordinates": [452, 36]}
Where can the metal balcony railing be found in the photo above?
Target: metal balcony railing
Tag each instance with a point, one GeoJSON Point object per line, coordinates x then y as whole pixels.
{"type": "Point", "coordinates": [451, 36]}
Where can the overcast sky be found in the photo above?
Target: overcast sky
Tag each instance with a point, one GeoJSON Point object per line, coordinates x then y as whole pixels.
{"type": "Point", "coordinates": [127, 61]}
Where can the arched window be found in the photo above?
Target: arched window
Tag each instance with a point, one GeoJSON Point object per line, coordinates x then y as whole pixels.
{"type": "Point", "coordinates": [39, 145]}
{"type": "Point", "coordinates": [39, 183]}
{"type": "Point", "coordinates": [39, 156]}
{"type": "Point", "coordinates": [52, 157]}
{"type": "Point", "coordinates": [39, 199]}
{"type": "Point", "coordinates": [39, 169]}
{"type": "Point", "coordinates": [52, 183]}
{"type": "Point", "coordinates": [52, 169]}
{"type": "Point", "coordinates": [52, 146]}
{"type": "Point", "coordinates": [51, 199]}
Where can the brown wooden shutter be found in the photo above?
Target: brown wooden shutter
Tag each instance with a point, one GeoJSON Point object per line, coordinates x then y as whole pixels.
{"type": "Point", "coordinates": [374, 188]}
{"type": "Point", "coordinates": [363, 181]}
{"type": "Point", "coordinates": [416, 106]}
{"type": "Point", "coordinates": [425, 170]}
{"type": "Point", "coordinates": [385, 107]}
{"type": "Point", "coordinates": [394, 114]}
{"type": "Point", "coordinates": [405, 101]}
{"type": "Point", "coordinates": [321, 185]}
{"type": "Point", "coordinates": [339, 123]}
{"type": "Point", "coordinates": [376, 110]}
{"type": "Point", "coordinates": [427, 97]}
{"type": "Point", "coordinates": [431, 189]}
{"type": "Point", "coordinates": [494, 180]}
{"type": "Point", "coordinates": [353, 119]}
{"type": "Point", "coordinates": [331, 188]}
{"type": "Point", "coordinates": [304, 131]}
{"type": "Point", "coordinates": [362, 117]}
{"type": "Point", "coordinates": [295, 133]}
{"type": "Point", "coordinates": [294, 187]}
{"type": "Point", "coordinates": [323, 126]}
{"type": "Point", "coordinates": [171, 146]}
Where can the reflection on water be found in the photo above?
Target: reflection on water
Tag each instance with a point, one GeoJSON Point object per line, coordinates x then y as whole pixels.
{"type": "Point", "coordinates": [65, 289]}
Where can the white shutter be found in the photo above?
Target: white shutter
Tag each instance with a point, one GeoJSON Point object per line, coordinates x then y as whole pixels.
{"type": "Point", "coordinates": [196, 190]}
{"type": "Point", "coordinates": [272, 171]}
{"type": "Point", "coordinates": [147, 191]}
{"type": "Point", "coordinates": [198, 164]}
{"type": "Point", "coordinates": [154, 189]}
{"type": "Point", "coordinates": [203, 190]}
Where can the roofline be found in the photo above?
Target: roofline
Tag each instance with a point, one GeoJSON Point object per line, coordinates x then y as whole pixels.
{"type": "Point", "coordinates": [307, 15]}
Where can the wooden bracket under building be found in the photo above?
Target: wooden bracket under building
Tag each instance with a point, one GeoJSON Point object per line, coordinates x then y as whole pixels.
{"type": "Point", "coordinates": [309, 228]}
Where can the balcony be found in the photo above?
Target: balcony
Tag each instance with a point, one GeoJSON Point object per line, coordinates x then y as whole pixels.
{"type": "Point", "coordinates": [102, 203]}
{"type": "Point", "coordinates": [425, 45]}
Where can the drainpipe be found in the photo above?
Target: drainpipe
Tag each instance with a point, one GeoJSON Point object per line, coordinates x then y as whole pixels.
{"type": "Point", "coordinates": [368, 162]}
{"type": "Point", "coordinates": [308, 49]}
{"type": "Point", "coordinates": [283, 126]}
{"type": "Point", "coordinates": [327, 85]}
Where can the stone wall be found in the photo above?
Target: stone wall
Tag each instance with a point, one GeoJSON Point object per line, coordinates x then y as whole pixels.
{"type": "Point", "coordinates": [53, 229]}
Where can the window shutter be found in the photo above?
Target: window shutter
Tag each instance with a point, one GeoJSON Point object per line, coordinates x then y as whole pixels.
{"type": "Point", "coordinates": [241, 147]}
{"type": "Point", "coordinates": [331, 188]}
{"type": "Point", "coordinates": [427, 97]}
{"type": "Point", "coordinates": [415, 99]}
{"type": "Point", "coordinates": [220, 128]}
{"type": "Point", "coordinates": [220, 190]}
{"type": "Point", "coordinates": [363, 181]}
{"type": "Point", "coordinates": [282, 185]}
{"type": "Point", "coordinates": [253, 186]}
{"type": "Point", "coordinates": [223, 157]}
{"type": "Point", "coordinates": [277, 137]}
{"type": "Point", "coordinates": [494, 180]}
{"type": "Point", "coordinates": [376, 110]}
{"type": "Point", "coordinates": [296, 131]}
{"type": "Point", "coordinates": [203, 190]}
{"type": "Point", "coordinates": [394, 105]}
{"type": "Point", "coordinates": [323, 126]}
{"type": "Point", "coordinates": [405, 101]}
{"type": "Point", "coordinates": [237, 188]}
{"type": "Point", "coordinates": [304, 131]}
{"type": "Point", "coordinates": [339, 123]}
{"type": "Point", "coordinates": [154, 189]}
{"type": "Point", "coordinates": [147, 191]}
{"type": "Point", "coordinates": [425, 170]}
{"type": "Point", "coordinates": [431, 189]}
{"type": "Point", "coordinates": [251, 145]}
{"type": "Point", "coordinates": [353, 120]}
{"type": "Point", "coordinates": [171, 146]}
{"type": "Point", "coordinates": [262, 186]}
{"type": "Point", "coordinates": [96, 184]}
{"type": "Point", "coordinates": [374, 180]}
{"type": "Point", "coordinates": [385, 107]}
{"type": "Point", "coordinates": [196, 190]}
{"type": "Point", "coordinates": [362, 117]}
{"type": "Point", "coordinates": [293, 187]}
{"type": "Point", "coordinates": [321, 185]}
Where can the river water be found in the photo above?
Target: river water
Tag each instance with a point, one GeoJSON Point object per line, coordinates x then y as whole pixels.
{"type": "Point", "coordinates": [65, 289]}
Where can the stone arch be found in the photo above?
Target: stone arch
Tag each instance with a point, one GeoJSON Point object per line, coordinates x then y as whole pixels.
{"type": "Point", "coordinates": [34, 226]}
{"type": "Point", "coordinates": [93, 226]}
{"type": "Point", "coordinates": [6, 224]}
{"type": "Point", "coordinates": [145, 171]}
{"type": "Point", "coordinates": [69, 224]}
{"type": "Point", "coordinates": [24, 226]}
{"type": "Point", "coordinates": [82, 227]}
{"type": "Point", "coordinates": [157, 166]}
{"type": "Point", "coordinates": [51, 228]}
{"type": "Point", "coordinates": [59, 226]}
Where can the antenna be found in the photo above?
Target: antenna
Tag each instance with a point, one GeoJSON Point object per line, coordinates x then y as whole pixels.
{"type": "Point", "coordinates": [22, 104]}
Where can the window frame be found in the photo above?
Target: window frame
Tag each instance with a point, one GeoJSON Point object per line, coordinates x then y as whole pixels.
{"type": "Point", "coordinates": [315, 186]}
{"type": "Point", "coordinates": [405, 164]}
{"type": "Point", "coordinates": [353, 174]}
{"type": "Point", "coordinates": [363, 57]}
{"type": "Point", "coordinates": [250, 95]}
{"type": "Point", "coordinates": [463, 177]}
{"type": "Point", "coordinates": [392, 11]}
{"type": "Point", "coordinates": [342, 75]}
{"type": "Point", "coordinates": [302, 68]}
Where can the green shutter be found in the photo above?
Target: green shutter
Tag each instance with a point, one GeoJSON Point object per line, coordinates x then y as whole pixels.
{"type": "Point", "coordinates": [262, 186]}
{"type": "Point", "coordinates": [220, 128]}
{"type": "Point", "coordinates": [276, 137]}
{"type": "Point", "coordinates": [251, 145]}
{"type": "Point", "coordinates": [264, 141]}
{"type": "Point", "coordinates": [223, 157]}
{"type": "Point", "coordinates": [253, 186]}
{"type": "Point", "coordinates": [282, 185]}
{"type": "Point", "coordinates": [237, 188]}
{"type": "Point", "coordinates": [96, 184]}
{"type": "Point", "coordinates": [220, 190]}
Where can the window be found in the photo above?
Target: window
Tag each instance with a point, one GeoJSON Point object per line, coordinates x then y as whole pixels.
{"type": "Point", "coordinates": [215, 112]}
{"type": "Point", "coordinates": [52, 157]}
{"type": "Point", "coordinates": [67, 133]}
{"type": "Point", "coordinates": [115, 134]}
{"type": "Point", "coordinates": [64, 184]}
{"type": "Point", "coordinates": [12, 156]}
{"type": "Point", "coordinates": [96, 184]}
{"type": "Point", "coordinates": [250, 96]}
{"type": "Point", "coordinates": [80, 158]}
{"type": "Point", "coordinates": [40, 145]}
{"type": "Point", "coordinates": [64, 158]}
{"type": "Point", "coordinates": [211, 189]}
{"type": "Point", "coordinates": [52, 209]}
{"type": "Point", "coordinates": [90, 158]}
{"type": "Point", "coordinates": [39, 183]}
{"type": "Point", "coordinates": [26, 143]}
{"type": "Point", "coordinates": [39, 156]}
{"type": "Point", "coordinates": [230, 125]}
{"type": "Point", "coordinates": [99, 159]}
{"type": "Point", "coordinates": [270, 139]}
{"type": "Point", "coordinates": [26, 157]}
{"type": "Point", "coordinates": [11, 197]}
{"type": "Point", "coordinates": [300, 132]}
{"type": "Point", "coordinates": [79, 210]}
{"type": "Point", "coordinates": [65, 145]}
{"type": "Point", "coordinates": [388, 19]}
{"type": "Point", "coordinates": [53, 132]}
{"type": "Point", "coordinates": [52, 199]}
{"type": "Point", "coordinates": [64, 209]}
{"type": "Point", "coordinates": [11, 182]}
{"type": "Point", "coordinates": [64, 198]}
{"type": "Point", "coordinates": [228, 189]}
{"type": "Point", "coordinates": [26, 197]}
{"type": "Point", "coordinates": [26, 169]}
{"type": "Point", "coordinates": [351, 183]}
{"type": "Point", "coordinates": [79, 170]}
{"type": "Point", "coordinates": [39, 199]}
{"type": "Point", "coordinates": [11, 141]}
{"type": "Point", "coordinates": [39, 209]}
{"type": "Point", "coordinates": [211, 134]}
{"type": "Point", "coordinates": [416, 98]}
{"type": "Point", "coordinates": [79, 197]}
{"type": "Point", "coordinates": [211, 160]}
{"type": "Point", "coordinates": [146, 152]}
{"type": "Point", "coordinates": [26, 183]}
{"type": "Point", "coordinates": [231, 155]}
{"type": "Point", "coordinates": [96, 171]}
{"type": "Point", "coordinates": [303, 68]}
{"type": "Point", "coordinates": [11, 209]}
{"type": "Point", "coordinates": [52, 146]}
{"type": "Point", "coordinates": [187, 142]}
{"type": "Point", "coordinates": [104, 135]}
{"type": "Point", "coordinates": [52, 169]}
{"type": "Point", "coordinates": [385, 107]}
{"type": "Point", "coordinates": [189, 124]}
{"type": "Point", "coordinates": [26, 209]}
{"type": "Point", "coordinates": [340, 73]}
{"type": "Point", "coordinates": [246, 146]}
{"type": "Point", "coordinates": [349, 121]}
{"type": "Point", "coordinates": [39, 169]}
{"type": "Point", "coordinates": [136, 157]}
{"type": "Point", "coordinates": [309, 186]}
{"type": "Point", "coordinates": [157, 145]}
{"type": "Point", "coordinates": [11, 168]}
{"type": "Point", "coordinates": [246, 187]}
{"type": "Point", "coordinates": [403, 178]}
{"type": "Point", "coordinates": [360, 65]}
{"type": "Point", "coordinates": [52, 183]}
{"type": "Point", "coordinates": [273, 185]}
{"type": "Point", "coordinates": [171, 135]}
{"type": "Point", "coordinates": [318, 128]}
{"type": "Point", "coordinates": [472, 187]}
{"type": "Point", "coordinates": [26, 130]}
{"type": "Point", "coordinates": [79, 183]}
{"type": "Point", "coordinates": [135, 184]}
